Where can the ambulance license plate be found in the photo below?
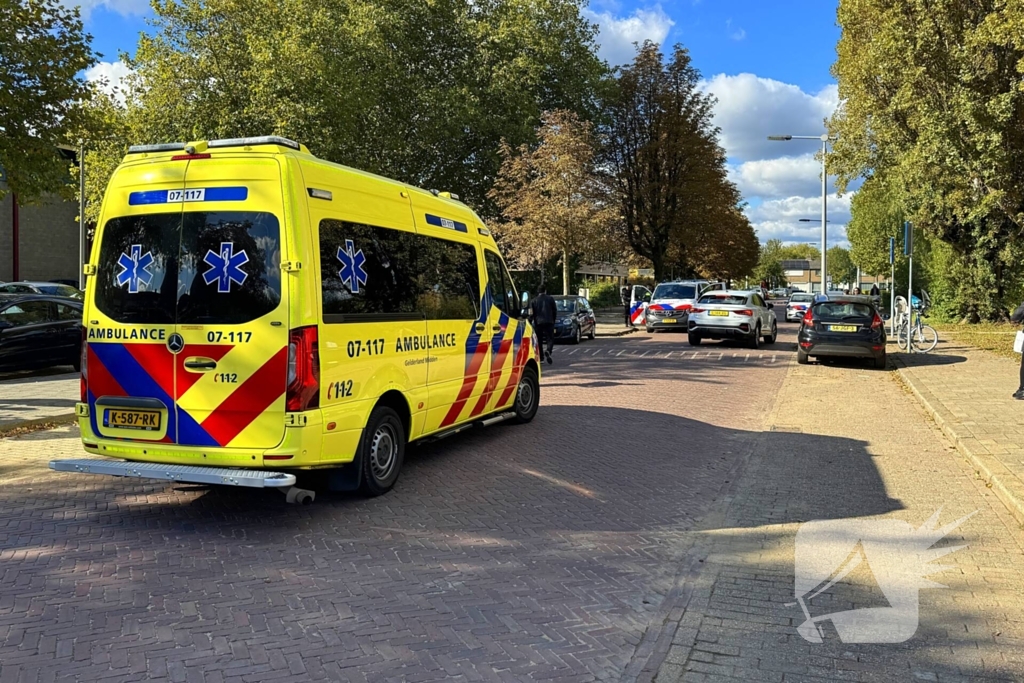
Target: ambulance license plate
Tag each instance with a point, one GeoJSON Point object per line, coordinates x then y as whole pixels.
{"type": "Point", "coordinates": [842, 328]}
{"type": "Point", "coordinates": [721, 313]}
{"type": "Point", "coordinates": [146, 420]}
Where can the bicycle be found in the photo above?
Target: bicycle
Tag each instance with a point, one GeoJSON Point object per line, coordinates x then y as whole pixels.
{"type": "Point", "coordinates": [910, 329]}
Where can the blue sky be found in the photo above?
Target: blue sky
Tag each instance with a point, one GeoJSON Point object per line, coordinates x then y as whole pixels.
{"type": "Point", "coordinates": [766, 61]}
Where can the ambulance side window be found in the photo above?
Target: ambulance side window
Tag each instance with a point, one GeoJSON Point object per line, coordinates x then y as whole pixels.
{"type": "Point", "coordinates": [448, 279]}
{"type": "Point", "coordinates": [495, 281]}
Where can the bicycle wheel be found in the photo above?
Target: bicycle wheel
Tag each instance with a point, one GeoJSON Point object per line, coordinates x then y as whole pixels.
{"type": "Point", "coordinates": [901, 337]}
{"type": "Point", "coordinates": [925, 338]}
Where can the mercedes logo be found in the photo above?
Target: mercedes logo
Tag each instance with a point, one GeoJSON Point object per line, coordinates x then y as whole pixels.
{"type": "Point", "coordinates": [175, 343]}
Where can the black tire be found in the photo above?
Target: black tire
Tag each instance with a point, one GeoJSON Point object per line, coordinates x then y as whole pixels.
{"type": "Point", "coordinates": [694, 339]}
{"type": "Point", "coordinates": [577, 336]}
{"type": "Point", "coordinates": [380, 470]}
{"type": "Point", "coordinates": [770, 339]}
{"type": "Point", "coordinates": [801, 357]}
{"type": "Point", "coordinates": [527, 396]}
{"type": "Point", "coordinates": [755, 341]}
{"type": "Point", "coordinates": [593, 332]}
{"type": "Point", "coordinates": [650, 330]}
{"type": "Point", "coordinates": [880, 362]}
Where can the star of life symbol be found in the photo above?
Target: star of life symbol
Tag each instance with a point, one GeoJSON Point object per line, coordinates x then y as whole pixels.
{"type": "Point", "coordinates": [135, 268]}
{"type": "Point", "coordinates": [352, 272]}
{"type": "Point", "coordinates": [895, 553]}
{"type": "Point", "coordinates": [225, 267]}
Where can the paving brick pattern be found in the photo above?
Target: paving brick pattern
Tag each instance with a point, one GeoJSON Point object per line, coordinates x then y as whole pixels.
{"type": "Point", "coordinates": [539, 552]}
{"type": "Point", "coordinates": [842, 443]}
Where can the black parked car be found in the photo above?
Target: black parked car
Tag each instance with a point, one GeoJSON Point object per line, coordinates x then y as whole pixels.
{"type": "Point", "coordinates": [48, 288]}
{"type": "Point", "coordinates": [575, 319]}
{"type": "Point", "coordinates": [842, 326]}
{"type": "Point", "coordinates": [39, 331]}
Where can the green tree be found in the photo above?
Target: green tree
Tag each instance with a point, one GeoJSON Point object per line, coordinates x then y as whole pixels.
{"type": "Point", "coordinates": [769, 263]}
{"type": "Point", "coordinates": [841, 268]}
{"type": "Point", "coordinates": [663, 153]}
{"type": "Point", "coordinates": [875, 216]}
{"type": "Point", "coordinates": [551, 196]}
{"type": "Point", "coordinates": [932, 99]}
{"type": "Point", "coordinates": [42, 50]}
{"type": "Point", "coordinates": [799, 251]}
{"type": "Point", "coordinates": [419, 91]}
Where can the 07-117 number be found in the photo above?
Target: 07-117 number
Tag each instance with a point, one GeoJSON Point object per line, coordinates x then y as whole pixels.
{"type": "Point", "coordinates": [215, 336]}
{"type": "Point", "coordinates": [365, 347]}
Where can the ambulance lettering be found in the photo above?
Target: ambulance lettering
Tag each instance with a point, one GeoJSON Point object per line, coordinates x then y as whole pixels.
{"type": "Point", "coordinates": [135, 333]}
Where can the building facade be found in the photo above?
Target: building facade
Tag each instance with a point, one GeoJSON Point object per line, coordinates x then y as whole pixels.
{"type": "Point", "coordinates": [805, 275]}
{"type": "Point", "coordinates": [38, 241]}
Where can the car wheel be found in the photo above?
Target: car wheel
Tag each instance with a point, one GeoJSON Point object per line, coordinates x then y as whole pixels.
{"type": "Point", "coordinates": [770, 339]}
{"type": "Point", "coordinates": [382, 451]}
{"type": "Point", "coordinates": [755, 341]}
{"type": "Point", "coordinates": [880, 362]}
{"type": "Point", "coordinates": [801, 357]}
{"type": "Point", "coordinates": [650, 330]}
{"type": "Point", "coordinates": [527, 396]}
{"type": "Point", "coordinates": [693, 339]}
{"type": "Point", "coordinates": [593, 332]}
{"type": "Point", "coordinates": [577, 336]}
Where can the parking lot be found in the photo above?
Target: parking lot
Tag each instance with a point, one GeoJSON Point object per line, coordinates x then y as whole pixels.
{"type": "Point", "coordinates": [641, 527]}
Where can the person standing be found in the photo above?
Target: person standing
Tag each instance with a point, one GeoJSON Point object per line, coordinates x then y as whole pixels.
{"type": "Point", "coordinates": [1018, 317]}
{"type": "Point", "coordinates": [543, 313]}
{"type": "Point", "coordinates": [624, 297]}
{"type": "Point", "coordinates": [874, 290]}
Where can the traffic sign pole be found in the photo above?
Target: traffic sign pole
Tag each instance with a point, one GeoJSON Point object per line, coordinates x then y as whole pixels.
{"type": "Point", "coordinates": [908, 249]}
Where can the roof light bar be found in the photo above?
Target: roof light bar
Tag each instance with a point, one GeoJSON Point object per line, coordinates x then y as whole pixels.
{"type": "Point", "coordinates": [163, 147]}
{"type": "Point", "coordinates": [248, 142]}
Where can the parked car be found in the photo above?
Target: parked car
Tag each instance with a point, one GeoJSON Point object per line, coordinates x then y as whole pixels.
{"type": "Point", "coordinates": [798, 305]}
{"type": "Point", "coordinates": [845, 326]}
{"type": "Point", "coordinates": [732, 314]}
{"type": "Point", "coordinates": [671, 302]}
{"type": "Point", "coordinates": [39, 331]}
{"type": "Point", "coordinates": [48, 288]}
{"type": "Point", "coordinates": [575, 319]}
{"type": "Point", "coordinates": [66, 281]}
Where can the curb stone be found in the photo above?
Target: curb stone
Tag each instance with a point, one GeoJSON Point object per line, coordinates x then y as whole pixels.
{"type": "Point", "coordinates": [56, 420]}
{"type": "Point", "coordinates": [1007, 486]}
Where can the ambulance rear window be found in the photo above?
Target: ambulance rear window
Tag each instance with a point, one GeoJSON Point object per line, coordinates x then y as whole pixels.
{"type": "Point", "coordinates": [191, 268]}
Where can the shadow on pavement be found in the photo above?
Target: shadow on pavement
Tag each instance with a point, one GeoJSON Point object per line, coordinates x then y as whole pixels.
{"type": "Point", "coordinates": [921, 360]}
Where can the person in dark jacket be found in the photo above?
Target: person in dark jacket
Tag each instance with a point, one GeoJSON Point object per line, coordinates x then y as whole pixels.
{"type": "Point", "coordinates": [1018, 317]}
{"type": "Point", "coordinates": [874, 290]}
{"type": "Point", "coordinates": [624, 296]}
{"type": "Point", "coordinates": [543, 313]}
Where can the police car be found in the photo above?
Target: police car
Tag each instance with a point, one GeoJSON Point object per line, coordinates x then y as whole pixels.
{"type": "Point", "coordinates": [253, 312]}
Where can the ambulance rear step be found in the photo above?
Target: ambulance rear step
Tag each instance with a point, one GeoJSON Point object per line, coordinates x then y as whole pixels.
{"type": "Point", "coordinates": [193, 474]}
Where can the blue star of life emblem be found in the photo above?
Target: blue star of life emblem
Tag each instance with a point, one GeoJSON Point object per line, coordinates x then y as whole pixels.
{"type": "Point", "coordinates": [225, 267]}
{"type": "Point", "coordinates": [352, 272]}
{"type": "Point", "coordinates": [135, 268]}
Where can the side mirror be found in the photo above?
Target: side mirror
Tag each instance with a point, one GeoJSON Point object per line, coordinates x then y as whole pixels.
{"type": "Point", "coordinates": [771, 305]}
{"type": "Point", "coordinates": [524, 304]}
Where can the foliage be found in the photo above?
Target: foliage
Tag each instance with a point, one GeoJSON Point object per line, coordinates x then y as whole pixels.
{"type": "Point", "coordinates": [841, 268]}
{"type": "Point", "coordinates": [605, 294]}
{"type": "Point", "coordinates": [796, 252]}
{"type": "Point", "coordinates": [668, 169]}
{"type": "Point", "coordinates": [550, 196]}
{"type": "Point", "coordinates": [418, 91]}
{"type": "Point", "coordinates": [769, 264]}
{"type": "Point", "coordinates": [876, 215]}
{"type": "Point", "coordinates": [42, 50]}
{"type": "Point", "coordinates": [932, 100]}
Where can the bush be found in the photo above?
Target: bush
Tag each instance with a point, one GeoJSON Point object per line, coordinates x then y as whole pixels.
{"type": "Point", "coordinates": [604, 294]}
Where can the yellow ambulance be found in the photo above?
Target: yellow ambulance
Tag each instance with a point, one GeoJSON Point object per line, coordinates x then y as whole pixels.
{"type": "Point", "coordinates": [253, 312]}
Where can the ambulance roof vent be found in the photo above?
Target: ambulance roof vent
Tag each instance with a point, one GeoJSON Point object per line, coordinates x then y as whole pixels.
{"type": "Point", "coordinates": [163, 147]}
{"type": "Point", "coordinates": [250, 142]}
{"type": "Point", "coordinates": [448, 195]}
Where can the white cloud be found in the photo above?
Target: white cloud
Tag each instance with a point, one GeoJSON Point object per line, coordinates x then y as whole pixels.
{"type": "Point", "coordinates": [738, 34]}
{"type": "Point", "coordinates": [780, 177]}
{"type": "Point", "coordinates": [750, 109]}
{"type": "Point", "coordinates": [123, 7]}
{"type": "Point", "coordinates": [617, 34]}
{"type": "Point", "coordinates": [112, 75]}
{"type": "Point", "coordinates": [780, 219]}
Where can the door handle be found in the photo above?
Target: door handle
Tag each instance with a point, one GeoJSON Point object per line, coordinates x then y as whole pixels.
{"type": "Point", "coordinates": [200, 364]}
{"type": "Point", "coordinates": [496, 328]}
{"type": "Point", "coordinates": [479, 327]}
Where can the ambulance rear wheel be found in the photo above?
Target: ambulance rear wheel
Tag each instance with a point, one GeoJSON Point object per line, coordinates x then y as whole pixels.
{"type": "Point", "coordinates": [527, 396]}
{"type": "Point", "coordinates": [383, 451]}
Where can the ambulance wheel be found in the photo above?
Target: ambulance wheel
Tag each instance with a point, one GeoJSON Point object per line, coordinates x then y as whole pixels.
{"type": "Point", "coordinates": [527, 396]}
{"type": "Point", "coordinates": [382, 450]}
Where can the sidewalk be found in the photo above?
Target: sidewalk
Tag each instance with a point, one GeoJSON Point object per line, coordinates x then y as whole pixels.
{"type": "Point", "coordinates": [967, 393]}
{"type": "Point", "coordinates": [32, 399]}
{"type": "Point", "coordinates": [611, 322]}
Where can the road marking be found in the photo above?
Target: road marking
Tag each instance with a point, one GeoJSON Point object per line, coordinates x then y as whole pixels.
{"type": "Point", "coordinates": [573, 351]}
{"type": "Point", "coordinates": [746, 358]}
{"type": "Point", "coordinates": [721, 354]}
{"type": "Point", "coordinates": [773, 357]}
{"type": "Point", "coordinates": [620, 353]}
{"type": "Point", "coordinates": [644, 354]}
{"type": "Point", "coordinates": [669, 354]}
{"type": "Point", "coordinates": [695, 355]}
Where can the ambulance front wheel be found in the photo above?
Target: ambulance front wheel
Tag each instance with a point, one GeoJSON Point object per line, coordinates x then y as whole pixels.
{"type": "Point", "coordinates": [527, 396]}
{"type": "Point", "coordinates": [382, 451]}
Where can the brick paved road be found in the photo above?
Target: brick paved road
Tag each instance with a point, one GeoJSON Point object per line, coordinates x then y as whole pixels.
{"type": "Point", "coordinates": [37, 396]}
{"type": "Point", "coordinates": [538, 552]}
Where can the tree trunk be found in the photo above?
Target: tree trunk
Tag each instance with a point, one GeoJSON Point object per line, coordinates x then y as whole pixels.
{"type": "Point", "coordinates": [565, 272]}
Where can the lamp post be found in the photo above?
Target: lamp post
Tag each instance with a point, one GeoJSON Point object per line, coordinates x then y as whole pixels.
{"type": "Point", "coordinates": [824, 194]}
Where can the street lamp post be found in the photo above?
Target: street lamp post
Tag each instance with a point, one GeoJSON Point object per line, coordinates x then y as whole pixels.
{"type": "Point", "coordinates": [824, 194]}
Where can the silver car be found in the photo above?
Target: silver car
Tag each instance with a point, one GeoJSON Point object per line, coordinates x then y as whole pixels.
{"type": "Point", "coordinates": [797, 306]}
{"type": "Point", "coordinates": [733, 314]}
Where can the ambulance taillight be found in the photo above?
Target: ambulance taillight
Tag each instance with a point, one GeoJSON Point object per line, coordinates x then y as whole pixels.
{"type": "Point", "coordinates": [84, 382]}
{"type": "Point", "coordinates": [303, 370]}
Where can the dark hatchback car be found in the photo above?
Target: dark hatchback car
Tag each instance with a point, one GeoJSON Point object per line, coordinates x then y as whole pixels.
{"type": "Point", "coordinates": [575, 319]}
{"type": "Point", "coordinates": [39, 331]}
{"type": "Point", "coordinates": [842, 327]}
